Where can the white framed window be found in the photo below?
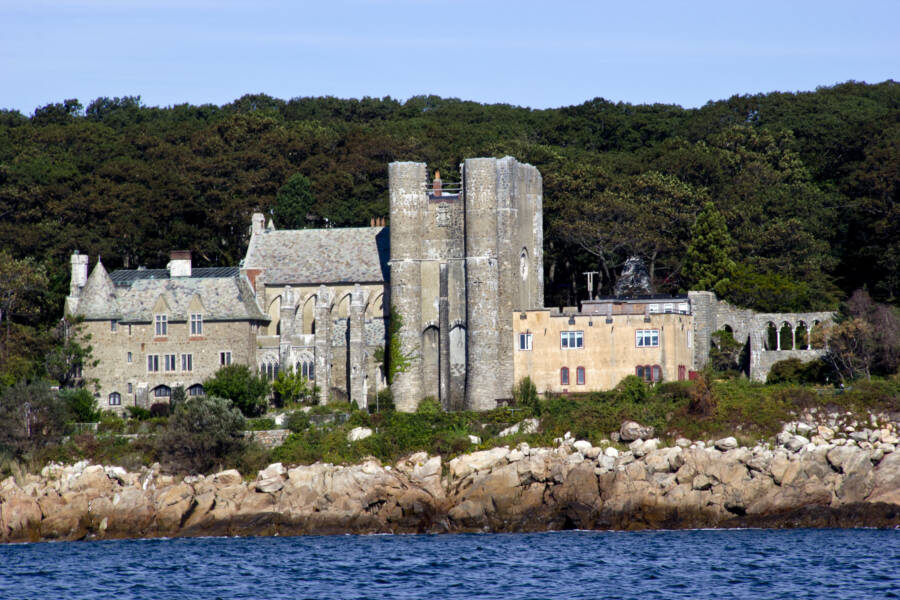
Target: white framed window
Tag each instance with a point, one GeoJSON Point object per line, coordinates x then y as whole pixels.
{"type": "Point", "coordinates": [153, 363]}
{"type": "Point", "coordinates": [654, 308]}
{"type": "Point", "coordinates": [225, 358]}
{"type": "Point", "coordinates": [162, 325]}
{"type": "Point", "coordinates": [113, 327]}
{"type": "Point", "coordinates": [170, 362]}
{"type": "Point", "coordinates": [684, 308]}
{"type": "Point", "coordinates": [196, 324]}
{"type": "Point", "coordinates": [115, 399]}
{"type": "Point", "coordinates": [187, 362]}
{"type": "Point", "coordinates": [668, 307]}
{"type": "Point", "coordinates": [571, 340]}
{"type": "Point", "coordinates": [525, 341]}
{"type": "Point", "coordinates": [646, 338]}
{"type": "Point", "coordinates": [130, 357]}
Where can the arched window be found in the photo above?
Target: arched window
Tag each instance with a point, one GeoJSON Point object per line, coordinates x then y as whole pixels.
{"type": "Point", "coordinates": [657, 373]}
{"type": "Point", "coordinates": [162, 391]}
{"type": "Point", "coordinates": [579, 376]}
{"type": "Point", "coordinates": [115, 399]}
{"type": "Point", "coordinates": [564, 376]}
{"type": "Point", "coordinates": [196, 390]}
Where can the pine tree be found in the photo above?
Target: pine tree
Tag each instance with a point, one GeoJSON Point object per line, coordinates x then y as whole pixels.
{"type": "Point", "coordinates": [708, 260]}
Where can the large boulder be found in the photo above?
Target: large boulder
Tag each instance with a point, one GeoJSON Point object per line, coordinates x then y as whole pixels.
{"type": "Point", "coordinates": [886, 480]}
{"type": "Point", "coordinates": [632, 430]}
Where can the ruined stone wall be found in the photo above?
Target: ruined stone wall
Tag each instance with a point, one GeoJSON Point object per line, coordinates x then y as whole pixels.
{"type": "Point", "coordinates": [751, 327]}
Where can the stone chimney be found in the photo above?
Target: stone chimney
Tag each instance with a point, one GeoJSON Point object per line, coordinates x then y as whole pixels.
{"type": "Point", "coordinates": [179, 263]}
{"type": "Point", "coordinates": [79, 273]}
{"type": "Point", "coordinates": [257, 223]}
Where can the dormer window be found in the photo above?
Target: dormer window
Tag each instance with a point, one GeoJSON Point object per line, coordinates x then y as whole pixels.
{"type": "Point", "coordinates": [196, 324]}
{"type": "Point", "coordinates": [162, 325]}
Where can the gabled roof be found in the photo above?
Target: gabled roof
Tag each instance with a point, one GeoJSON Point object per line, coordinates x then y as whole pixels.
{"type": "Point", "coordinates": [321, 256]}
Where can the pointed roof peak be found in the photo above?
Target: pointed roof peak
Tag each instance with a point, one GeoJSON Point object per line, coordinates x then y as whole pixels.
{"type": "Point", "coordinates": [98, 298]}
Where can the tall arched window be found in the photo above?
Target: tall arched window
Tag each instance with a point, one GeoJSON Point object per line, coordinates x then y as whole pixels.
{"type": "Point", "coordinates": [579, 376]}
{"type": "Point", "coordinates": [564, 376]}
{"type": "Point", "coordinates": [115, 399]}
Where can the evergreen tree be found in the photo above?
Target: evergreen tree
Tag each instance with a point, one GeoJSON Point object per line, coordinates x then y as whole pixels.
{"type": "Point", "coordinates": [293, 202]}
{"type": "Point", "coordinates": [708, 258]}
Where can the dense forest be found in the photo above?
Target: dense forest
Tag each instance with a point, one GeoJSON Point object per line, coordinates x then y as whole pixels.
{"type": "Point", "coordinates": [782, 201]}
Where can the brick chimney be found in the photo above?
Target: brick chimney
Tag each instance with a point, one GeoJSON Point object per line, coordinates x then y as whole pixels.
{"type": "Point", "coordinates": [179, 263]}
{"type": "Point", "coordinates": [437, 185]}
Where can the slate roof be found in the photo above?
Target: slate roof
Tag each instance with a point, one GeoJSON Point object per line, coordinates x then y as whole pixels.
{"type": "Point", "coordinates": [129, 296]}
{"type": "Point", "coordinates": [125, 277]}
{"type": "Point", "coordinates": [317, 256]}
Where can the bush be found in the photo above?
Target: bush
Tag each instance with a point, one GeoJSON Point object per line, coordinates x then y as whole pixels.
{"type": "Point", "coordinates": [246, 391]}
{"type": "Point", "coordinates": [525, 394]}
{"type": "Point", "coordinates": [260, 424]}
{"type": "Point", "coordinates": [138, 413]}
{"type": "Point", "coordinates": [297, 421]}
{"type": "Point", "coordinates": [632, 389]}
{"type": "Point", "coordinates": [429, 406]}
{"type": "Point", "coordinates": [81, 404]}
{"type": "Point", "coordinates": [794, 370]}
{"type": "Point", "coordinates": [384, 401]}
{"type": "Point", "coordinates": [160, 409]}
{"type": "Point", "coordinates": [201, 434]}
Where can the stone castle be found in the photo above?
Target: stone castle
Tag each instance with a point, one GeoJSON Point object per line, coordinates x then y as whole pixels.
{"type": "Point", "coordinates": [461, 263]}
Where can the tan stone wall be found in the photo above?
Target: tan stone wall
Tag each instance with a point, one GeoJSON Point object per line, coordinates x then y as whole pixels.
{"type": "Point", "coordinates": [609, 353]}
{"type": "Point", "coordinates": [114, 372]}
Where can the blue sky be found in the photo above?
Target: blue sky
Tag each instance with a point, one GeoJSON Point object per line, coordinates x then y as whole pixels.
{"type": "Point", "coordinates": [539, 54]}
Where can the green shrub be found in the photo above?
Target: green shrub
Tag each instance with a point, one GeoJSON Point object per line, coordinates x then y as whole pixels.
{"type": "Point", "coordinates": [138, 413]}
{"type": "Point", "coordinates": [297, 421]}
{"type": "Point", "coordinates": [32, 416]}
{"type": "Point", "coordinates": [159, 410]}
{"type": "Point", "coordinates": [245, 390]}
{"type": "Point", "coordinates": [525, 394]}
{"type": "Point", "coordinates": [260, 424]}
{"type": "Point", "coordinates": [632, 389]}
{"type": "Point", "coordinates": [201, 434]}
{"type": "Point", "coordinates": [429, 406]}
{"type": "Point", "coordinates": [794, 370]}
{"type": "Point", "coordinates": [81, 404]}
{"type": "Point", "coordinates": [384, 401]}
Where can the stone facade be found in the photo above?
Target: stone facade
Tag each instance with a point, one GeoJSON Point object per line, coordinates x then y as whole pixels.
{"type": "Point", "coordinates": [462, 259]}
{"type": "Point", "coordinates": [154, 330]}
{"type": "Point", "coordinates": [771, 337]}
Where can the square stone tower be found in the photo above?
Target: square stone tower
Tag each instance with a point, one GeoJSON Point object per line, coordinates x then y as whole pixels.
{"type": "Point", "coordinates": [464, 257]}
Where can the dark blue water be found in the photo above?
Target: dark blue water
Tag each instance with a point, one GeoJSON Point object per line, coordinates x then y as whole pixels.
{"type": "Point", "coordinates": [857, 564]}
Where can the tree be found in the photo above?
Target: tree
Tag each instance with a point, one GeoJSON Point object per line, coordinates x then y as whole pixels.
{"type": "Point", "coordinates": [70, 354]}
{"type": "Point", "coordinates": [20, 282]}
{"type": "Point", "coordinates": [201, 433]}
{"type": "Point", "coordinates": [293, 203]}
{"type": "Point", "coordinates": [236, 383]}
{"type": "Point", "coordinates": [864, 341]}
{"type": "Point", "coordinates": [725, 351]}
{"type": "Point", "coordinates": [290, 386]}
{"type": "Point", "coordinates": [32, 416]}
{"type": "Point", "coordinates": [81, 404]}
{"type": "Point", "coordinates": [708, 258]}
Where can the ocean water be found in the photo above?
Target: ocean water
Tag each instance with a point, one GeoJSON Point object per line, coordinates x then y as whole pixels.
{"type": "Point", "coordinates": [719, 564]}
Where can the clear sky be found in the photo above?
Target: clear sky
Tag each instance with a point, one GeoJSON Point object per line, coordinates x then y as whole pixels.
{"type": "Point", "coordinates": [541, 54]}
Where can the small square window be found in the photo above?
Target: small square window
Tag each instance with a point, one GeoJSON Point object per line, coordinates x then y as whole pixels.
{"type": "Point", "coordinates": [646, 338]}
{"type": "Point", "coordinates": [224, 358]}
{"type": "Point", "coordinates": [571, 340]}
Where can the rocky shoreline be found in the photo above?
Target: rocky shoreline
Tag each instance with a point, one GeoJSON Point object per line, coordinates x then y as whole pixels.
{"type": "Point", "coordinates": [835, 482]}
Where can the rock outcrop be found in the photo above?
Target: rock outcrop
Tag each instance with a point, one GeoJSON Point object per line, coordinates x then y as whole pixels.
{"type": "Point", "coordinates": [575, 485]}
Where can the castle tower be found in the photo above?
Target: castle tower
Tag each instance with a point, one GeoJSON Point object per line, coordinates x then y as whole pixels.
{"type": "Point", "coordinates": [480, 182]}
{"type": "Point", "coordinates": [79, 279]}
{"type": "Point", "coordinates": [408, 202]}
